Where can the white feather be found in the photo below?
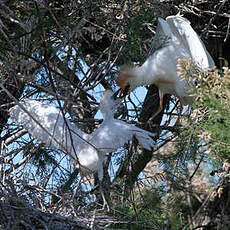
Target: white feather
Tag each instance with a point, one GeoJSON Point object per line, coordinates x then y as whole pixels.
{"type": "Point", "coordinates": [89, 149]}
{"type": "Point", "coordinates": [179, 41]}
{"type": "Point", "coordinates": [184, 33]}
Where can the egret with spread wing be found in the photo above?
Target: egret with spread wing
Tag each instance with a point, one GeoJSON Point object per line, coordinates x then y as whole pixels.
{"type": "Point", "coordinates": [47, 124]}
{"type": "Point", "coordinates": [160, 68]}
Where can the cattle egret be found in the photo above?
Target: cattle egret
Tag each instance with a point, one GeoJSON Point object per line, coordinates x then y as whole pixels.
{"type": "Point", "coordinates": [160, 68]}
{"type": "Point", "coordinates": [46, 123]}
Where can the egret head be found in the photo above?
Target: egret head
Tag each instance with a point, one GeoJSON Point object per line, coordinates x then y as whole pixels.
{"type": "Point", "coordinates": [108, 103]}
{"type": "Point", "coordinates": [126, 79]}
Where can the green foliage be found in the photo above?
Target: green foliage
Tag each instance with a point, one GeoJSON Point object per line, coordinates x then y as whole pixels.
{"type": "Point", "coordinates": [82, 39]}
{"type": "Point", "coordinates": [138, 36]}
{"type": "Point", "coordinates": [203, 140]}
{"type": "Point", "coordinates": [211, 121]}
{"type": "Point", "coordinates": [42, 158]}
{"type": "Point", "coordinates": [149, 208]}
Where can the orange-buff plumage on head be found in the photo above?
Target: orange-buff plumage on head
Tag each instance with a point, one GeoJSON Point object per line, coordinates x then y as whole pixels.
{"type": "Point", "coordinates": [123, 79]}
{"type": "Point", "coordinates": [160, 68]}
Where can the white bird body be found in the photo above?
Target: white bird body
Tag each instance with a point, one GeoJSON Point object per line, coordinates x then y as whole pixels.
{"type": "Point", "coordinates": [165, 77]}
{"type": "Point", "coordinates": [87, 149]}
{"type": "Point", "coordinates": [160, 68]}
{"type": "Point", "coordinates": [116, 131]}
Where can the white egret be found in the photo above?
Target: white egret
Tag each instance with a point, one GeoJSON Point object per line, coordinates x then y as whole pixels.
{"type": "Point", "coordinates": [46, 123]}
{"type": "Point", "coordinates": [160, 68]}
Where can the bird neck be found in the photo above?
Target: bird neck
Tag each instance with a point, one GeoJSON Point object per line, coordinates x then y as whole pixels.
{"type": "Point", "coordinates": [144, 74]}
{"type": "Point", "coordinates": [108, 114]}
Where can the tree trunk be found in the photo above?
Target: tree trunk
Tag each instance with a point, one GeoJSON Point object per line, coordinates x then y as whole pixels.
{"type": "Point", "coordinates": [139, 158]}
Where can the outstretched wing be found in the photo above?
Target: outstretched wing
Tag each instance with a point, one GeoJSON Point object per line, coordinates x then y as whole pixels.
{"type": "Point", "coordinates": [46, 123]}
{"type": "Point", "coordinates": [182, 30]}
{"type": "Point", "coordinates": [144, 137]}
{"type": "Point", "coordinates": [114, 134]}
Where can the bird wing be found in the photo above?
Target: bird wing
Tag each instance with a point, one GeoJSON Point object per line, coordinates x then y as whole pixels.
{"type": "Point", "coordinates": [46, 123]}
{"type": "Point", "coordinates": [113, 134]}
{"type": "Point", "coordinates": [163, 28]}
{"type": "Point", "coordinates": [184, 33]}
{"type": "Point", "coordinates": [163, 34]}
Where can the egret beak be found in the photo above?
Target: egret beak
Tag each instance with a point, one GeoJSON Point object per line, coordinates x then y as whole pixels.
{"type": "Point", "coordinates": [114, 96]}
{"type": "Point", "coordinates": [125, 91]}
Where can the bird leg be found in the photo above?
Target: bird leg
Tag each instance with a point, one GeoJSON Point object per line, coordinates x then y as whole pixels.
{"type": "Point", "coordinates": [158, 111]}
{"type": "Point", "coordinates": [103, 186]}
{"type": "Point", "coordinates": [105, 198]}
{"type": "Point", "coordinates": [180, 113]}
